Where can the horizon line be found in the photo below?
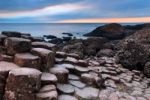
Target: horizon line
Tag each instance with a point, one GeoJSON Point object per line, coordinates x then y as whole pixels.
{"type": "Point", "coordinates": [121, 20]}
{"type": "Point", "coordinates": [108, 20]}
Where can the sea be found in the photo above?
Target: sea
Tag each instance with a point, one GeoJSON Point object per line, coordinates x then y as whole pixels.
{"type": "Point", "coordinates": [40, 29]}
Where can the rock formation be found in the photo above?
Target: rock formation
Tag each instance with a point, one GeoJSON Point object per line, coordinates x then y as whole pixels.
{"type": "Point", "coordinates": [35, 70]}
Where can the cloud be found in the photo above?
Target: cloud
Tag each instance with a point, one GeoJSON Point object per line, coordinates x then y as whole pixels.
{"type": "Point", "coordinates": [46, 11]}
{"type": "Point", "coordinates": [108, 20]}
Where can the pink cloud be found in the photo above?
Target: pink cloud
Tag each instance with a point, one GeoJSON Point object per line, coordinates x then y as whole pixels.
{"type": "Point", "coordinates": [50, 10]}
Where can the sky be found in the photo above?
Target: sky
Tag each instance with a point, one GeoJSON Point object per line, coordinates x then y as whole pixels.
{"type": "Point", "coordinates": [74, 11]}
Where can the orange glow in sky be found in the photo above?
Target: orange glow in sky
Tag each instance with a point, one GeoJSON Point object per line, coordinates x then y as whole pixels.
{"type": "Point", "coordinates": [108, 20]}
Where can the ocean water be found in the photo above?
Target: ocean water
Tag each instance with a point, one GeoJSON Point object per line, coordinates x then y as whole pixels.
{"type": "Point", "coordinates": [50, 29]}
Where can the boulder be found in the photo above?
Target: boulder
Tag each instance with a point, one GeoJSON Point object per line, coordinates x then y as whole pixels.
{"type": "Point", "coordinates": [94, 44]}
{"type": "Point", "coordinates": [27, 60]}
{"type": "Point", "coordinates": [105, 52]}
{"type": "Point", "coordinates": [47, 57]}
{"type": "Point", "coordinates": [26, 36]}
{"type": "Point", "coordinates": [22, 84]}
{"type": "Point", "coordinates": [111, 31]}
{"type": "Point", "coordinates": [77, 48]}
{"type": "Point", "coordinates": [37, 39]}
{"type": "Point", "coordinates": [137, 27]}
{"type": "Point", "coordinates": [5, 67]}
{"type": "Point", "coordinates": [134, 50]}
{"type": "Point", "coordinates": [69, 34]}
{"type": "Point", "coordinates": [50, 36]}
{"type": "Point", "coordinates": [56, 41]}
{"type": "Point", "coordinates": [67, 39]}
{"type": "Point", "coordinates": [45, 45]}
{"type": "Point", "coordinates": [11, 34]}
{"type": "Point", "coordinates": [17, 45]}
{"type": "Point", "coordinates": [23, 80]}
{"type": "Point", "coordinates": [61, 74]}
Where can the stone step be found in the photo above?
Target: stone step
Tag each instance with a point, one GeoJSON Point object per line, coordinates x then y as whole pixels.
{"type": "Point", "coordinates": [47, 57]}
{"type": "Point", "coordinates": [27, 60]}
{"type": "Point", "coordinates": [17, 45]}
{"type": "Point", "coordinates": [23, 80]}
{"type": "Point", "coordinates": [48, 78]}
{"type": "Point", "coordinates": [65, 88]}
{"type": "Point", "coordinates": [61, 74]}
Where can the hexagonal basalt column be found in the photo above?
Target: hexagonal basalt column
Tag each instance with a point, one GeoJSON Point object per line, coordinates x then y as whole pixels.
{"type": "Point", "coordinates": [17, 45]}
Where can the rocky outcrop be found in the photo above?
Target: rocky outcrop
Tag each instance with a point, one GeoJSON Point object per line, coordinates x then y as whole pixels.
{"type": "Point", "coordinates": [77, 48]}
{"type": "Point", "coordinates": [68, 34]}
{"type": "Point", "coordinates": [88, 47]}
{"type": "Point", "coordinates": [134, 51]}
{"type": "Point", "coordinates": [105, 52]}
{"type": "Point", "coordinates": [56, 41]}
{"type": "Point", "coordinates": [137, 27]}
{"type": "Point", "coordinates": [11, 34]}
{"type": "Point", "coordinates": [67, 39]}
{"type": "Point", "coordinates": [94, 44]}
{"type": "Point", "coordinates": [110, 31]}
{"type": "Point", "coordinates": [65, 76]}
{"type": "Point", "coordinates": [50, 36]}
